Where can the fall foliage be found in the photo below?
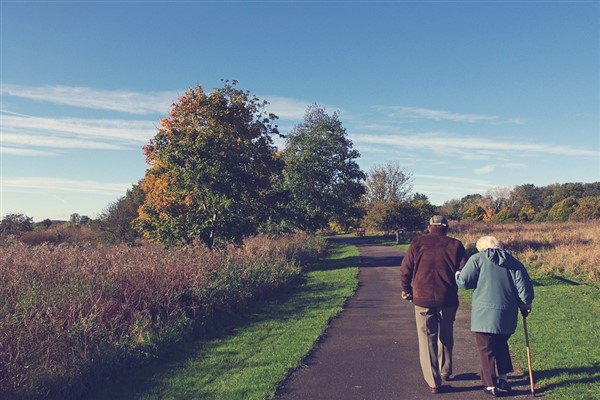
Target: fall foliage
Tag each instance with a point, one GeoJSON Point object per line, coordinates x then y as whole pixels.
{"type": "Point", "coordinates": [211, 166]}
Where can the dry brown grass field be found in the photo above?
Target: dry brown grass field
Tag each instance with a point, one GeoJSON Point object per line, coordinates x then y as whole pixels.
{"type": "Point", "coordinates": [71, 312]}
{"type": "Point", "coordinates": [569, 250]}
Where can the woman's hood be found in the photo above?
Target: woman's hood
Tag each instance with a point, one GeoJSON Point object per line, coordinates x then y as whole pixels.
{"type": "Point", "coordinates": [497, 256]}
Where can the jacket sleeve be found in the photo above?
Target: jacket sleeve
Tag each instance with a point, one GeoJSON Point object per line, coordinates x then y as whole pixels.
{"type": "Point", "coordinates": [462, 257]}
{"type": "Point", "coordinates": [406, 270]}
{"type": "Point", "coordinates": [469, 275]}
{"type": "Point", "coordinates": [523, 283]}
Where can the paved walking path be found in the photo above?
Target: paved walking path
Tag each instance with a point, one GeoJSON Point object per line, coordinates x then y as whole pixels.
{"type": "Point", "coordinates": [370, 351]}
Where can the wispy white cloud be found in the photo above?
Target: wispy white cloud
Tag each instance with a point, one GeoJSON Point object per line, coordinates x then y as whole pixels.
{"type": "Point", "coordinates": [484, 170]}
{"type": "Point", "coordinates": [443, 143]}
{"type": "Point", "coordinates": [454, 179]}
{"type": "Point", "coordinates": [119, 129]}
{"type": "Point", "coordinates": [18, 151]}
{"type": "Point", "coordinates": [132, 102]}
{"type": "Point", "coordinates": [112, 100]}
{"type": "Point", "coordinates": [58, 185]}
{"type": "Point", "coordinates": [287, 108]}
{"type": "Point", "coordinates": [27, 132]}
{"type": "Point", "coordinates": [291, 109]}
{"type": "Point", "coordinates": [436, 115]}
{"type": "Point", "coordinates": [56, 142]}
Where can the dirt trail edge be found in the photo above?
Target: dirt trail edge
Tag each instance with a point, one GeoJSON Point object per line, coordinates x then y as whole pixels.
{"type": "Point", "coordinates": [370, 351]}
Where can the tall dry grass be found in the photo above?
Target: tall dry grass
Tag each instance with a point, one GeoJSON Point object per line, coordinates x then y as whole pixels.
{"type": "Point", "coordinates": [566, 249]}
{"type": "Point", "coordinates": [69, 314]}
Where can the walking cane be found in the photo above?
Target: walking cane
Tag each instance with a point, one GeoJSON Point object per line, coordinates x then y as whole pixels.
{"type": "Point", "coordinates": [528, 355]}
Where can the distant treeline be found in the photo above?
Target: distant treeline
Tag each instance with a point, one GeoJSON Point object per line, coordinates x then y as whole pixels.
{"type": "Point", "coordinates": [556, 202]}
{"type": "Point", "coordinates": [524, 203]}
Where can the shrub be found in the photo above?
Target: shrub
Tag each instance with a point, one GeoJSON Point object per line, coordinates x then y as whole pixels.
{"type": "Point", "coordinates": [69, 314]}
{"type": "Point", "coordinates": [15, 224]}
{"type": "Point", "coordinates": [588, 208]}
{"type": "Point", "coordinates": [562, 210]}
{"type": "Point", "coordinates": [39, 237]}
{"type": "Point", "coordinates": [504, 215]}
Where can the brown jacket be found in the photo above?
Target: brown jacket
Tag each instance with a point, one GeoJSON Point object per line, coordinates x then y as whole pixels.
{"type": "Point", "coordinates": [428, 270]}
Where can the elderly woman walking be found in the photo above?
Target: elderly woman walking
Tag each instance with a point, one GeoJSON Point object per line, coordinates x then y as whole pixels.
{"type": "Point", "coordinates": [502, 287]}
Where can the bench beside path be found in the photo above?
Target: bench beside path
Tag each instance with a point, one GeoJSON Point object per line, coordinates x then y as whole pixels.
{"type": "Point", "coordinates": [370, 351]}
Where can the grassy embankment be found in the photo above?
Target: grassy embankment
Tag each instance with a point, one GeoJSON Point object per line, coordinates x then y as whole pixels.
{"type": "Point", "coordinates": [249, 361]}
{"type": "Point", "coordinates": [563, 259]}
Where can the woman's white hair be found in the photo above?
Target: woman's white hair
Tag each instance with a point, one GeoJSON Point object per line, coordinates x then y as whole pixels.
{"type": "Point", "coordinates": [488, 242]}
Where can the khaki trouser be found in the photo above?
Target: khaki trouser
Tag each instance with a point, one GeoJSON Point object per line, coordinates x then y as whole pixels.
{"type": "Point", "coordinates": [436, 340]}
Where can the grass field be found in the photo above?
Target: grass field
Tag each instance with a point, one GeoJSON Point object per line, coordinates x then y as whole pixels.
{"type": "Point", "coordinates": [564, 337]}
{"type": "Point", "coordinates": [254, 351]}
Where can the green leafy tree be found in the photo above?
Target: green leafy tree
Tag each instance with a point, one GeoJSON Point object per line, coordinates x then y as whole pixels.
{"type": "Point", "coordinates": [587, 209]}
{"type": "Point", "coordinates": [321, 175]}
{"type": "Point", "coordinates": [43, 225]}
{"type": "Point", "coordinates": [390, 204]}
{"type": "Point", "coordinates": [555, 193]}
{"type": "Point", "coordinates": [452, 209]}
{"type": "Point", "coordinates": [376, 215]}
{"type": "Point", "coordinates": [212, 163]}
{"type": "Point", "coordinates": [591, 189]}
{"type": "Point", "coordinates": [527, 212]}
{"type": "Point", "coordinates": [504, 215]}
{"type": "Point", "coordinates": [409, 214]}
{"type": "Point", "coordinates": [403, 216]}
{"type": "Point", "coordinates": [74, 219]}
{"type": "Point", "coordinates": [424, 208]}
{"type": "Point", "coordinates": [388, 182]}
{"type": "Point", "coordinates": [475, 213]}
{"type": "Point", "coordinates": [525, 199]}
{"type": "Point", "coordinates": [116, 221]}
{"type": "Point", "coordinates": [15, 224]}
{"type": "Point", "coordinates": [562, 210]}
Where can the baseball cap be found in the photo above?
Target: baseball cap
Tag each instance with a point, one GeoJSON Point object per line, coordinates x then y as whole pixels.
{"type": "Point", "coordinates": [438, 220]}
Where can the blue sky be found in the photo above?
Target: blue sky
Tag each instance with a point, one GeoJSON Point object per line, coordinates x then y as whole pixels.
{"type": "Point", "coordinates": [466, 96]}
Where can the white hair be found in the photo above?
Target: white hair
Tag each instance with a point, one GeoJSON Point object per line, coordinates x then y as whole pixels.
{"type": "Point", "coordinates": [488, 242]}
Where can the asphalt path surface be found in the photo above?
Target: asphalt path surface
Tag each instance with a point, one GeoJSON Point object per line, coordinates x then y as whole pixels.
{"type": "Point", "coordinates": [370, 351]}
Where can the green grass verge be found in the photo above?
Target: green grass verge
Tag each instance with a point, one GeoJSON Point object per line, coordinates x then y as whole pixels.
{"type": "Point", "coordinates": [564, 339]}
{"type": "Point", "coordinates": [260, 348]}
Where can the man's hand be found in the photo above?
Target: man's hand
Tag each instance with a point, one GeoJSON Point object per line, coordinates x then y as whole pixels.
{"type": "Point", "coordinates": [525, 309]}
{"type": "Point", "coordinates": [406, 295]}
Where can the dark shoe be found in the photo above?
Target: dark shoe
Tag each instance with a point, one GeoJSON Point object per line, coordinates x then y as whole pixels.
{"type": "Point", "coordinates": [492, 392]}
{"type": "Point", "coordinates": [503, 385]}
{"type": "Point", "coordinates": [446, 378]}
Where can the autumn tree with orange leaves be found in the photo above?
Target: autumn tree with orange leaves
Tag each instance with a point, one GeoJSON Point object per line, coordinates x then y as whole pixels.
{"type": "Point", "coordinates": [212, 163]}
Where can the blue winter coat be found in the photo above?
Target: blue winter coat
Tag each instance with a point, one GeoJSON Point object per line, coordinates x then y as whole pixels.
{"type": "Point", "coordinates": [501, 284]}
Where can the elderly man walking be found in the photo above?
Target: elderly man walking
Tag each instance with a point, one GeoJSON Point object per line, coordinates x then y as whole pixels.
{"type": "Point", "coordinates": [427, 279]}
